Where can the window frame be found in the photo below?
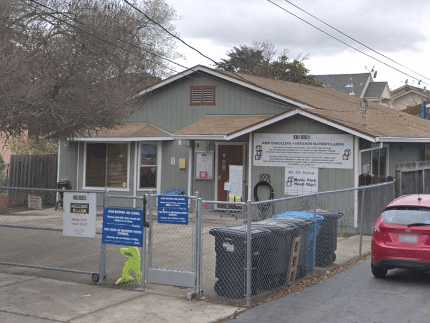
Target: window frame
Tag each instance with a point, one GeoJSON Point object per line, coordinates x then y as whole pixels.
{"type": "Point", "coordinates": [202, 87]}
{"type": "Point", "coordinates": [98, 188]}
{"type": "Point", "coordinates": [371, 152]}
{"type": "Point", "coordinates": [138, 166]}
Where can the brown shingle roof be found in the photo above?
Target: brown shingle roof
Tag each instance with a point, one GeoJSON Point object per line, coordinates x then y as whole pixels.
{"type": "Point", "coordinates": [380, 121]}
{"type": "Point", "coordinates": [129, 130]}
{"type": "Point", "coordinates": [212, 125]}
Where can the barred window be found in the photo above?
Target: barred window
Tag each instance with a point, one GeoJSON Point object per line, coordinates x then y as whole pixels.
{"type": "Point", "coordinates": [202, 95]}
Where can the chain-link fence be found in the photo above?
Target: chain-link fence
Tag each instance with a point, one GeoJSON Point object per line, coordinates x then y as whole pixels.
{"type": "Point", "coordinates": [33, 242]}
{"type": "Point", "coordinates": [255, 248]}
{"type": "Point", "coordinates": [223, 257]}
{"type": "Point", "coordinates": [231, 252]}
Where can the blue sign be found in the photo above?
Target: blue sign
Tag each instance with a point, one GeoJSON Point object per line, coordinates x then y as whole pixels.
{"type": "Point", "coordinates": [123, 226]}
{"type": "Point", "coordinates": [173, 209]}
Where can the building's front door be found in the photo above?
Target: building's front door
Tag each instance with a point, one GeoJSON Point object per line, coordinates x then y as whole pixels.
{"type": "Point", "coordinates": [228, 154]}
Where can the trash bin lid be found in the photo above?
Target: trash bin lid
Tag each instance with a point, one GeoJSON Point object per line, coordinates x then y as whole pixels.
{"type": "Point", "coordinates": [240, 231]}
{"type": "Point", "coordinates": [304, 215]}
{"type": "Point", "coordinates": [277, 225]}
{"type": "Point", "coordinates": [300, 223]}
{"type": "Point", "coordinates": [329, 214]}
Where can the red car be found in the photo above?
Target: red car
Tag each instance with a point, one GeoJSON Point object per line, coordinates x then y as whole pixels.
{"type": "Point", "coordinates": [401, 237]}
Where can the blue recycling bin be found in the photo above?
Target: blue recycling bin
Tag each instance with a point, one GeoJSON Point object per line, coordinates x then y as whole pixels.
{"type": "Point", "coordinates": [314, 220]}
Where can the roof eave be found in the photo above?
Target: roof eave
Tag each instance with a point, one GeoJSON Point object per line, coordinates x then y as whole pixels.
{"type": "Point", "coordinates": [120, 139]}
{"type": "Point", "coordinates": [403, 139]}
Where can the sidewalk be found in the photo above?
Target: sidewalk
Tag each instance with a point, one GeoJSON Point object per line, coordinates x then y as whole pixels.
{"type": "Point", "coordinates": [28, 299]}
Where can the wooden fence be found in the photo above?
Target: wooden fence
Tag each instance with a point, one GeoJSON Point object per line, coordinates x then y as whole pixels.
{"type": "Point", "coordinates": [32, 171]}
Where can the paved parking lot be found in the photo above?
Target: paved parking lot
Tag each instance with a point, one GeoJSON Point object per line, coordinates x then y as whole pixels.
{"type": "Point", "coordinates": [353, 296]}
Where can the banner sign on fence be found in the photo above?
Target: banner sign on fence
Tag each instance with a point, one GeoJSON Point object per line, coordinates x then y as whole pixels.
{"type": "Point", "coordinates": [173, 209]}
{"type": "Point", "coordinates": [79, 214]}
{"type": "Point", "coordinates": [301, 181]}
{"type": "Point", "coordinates": [305, 150]}
{"type": "Point", "coordinates": [123, 226]}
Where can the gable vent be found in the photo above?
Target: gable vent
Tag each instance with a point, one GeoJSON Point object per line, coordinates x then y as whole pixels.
{"type": "Point", "coordinates": [202, 95]}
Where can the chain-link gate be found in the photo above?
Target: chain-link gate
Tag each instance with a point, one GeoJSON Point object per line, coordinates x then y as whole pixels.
{"type": "Point", "coordinates": [173, 244]}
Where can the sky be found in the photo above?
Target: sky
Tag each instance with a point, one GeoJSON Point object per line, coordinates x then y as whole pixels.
{"type": "Point", "coordinates": [397, 28]}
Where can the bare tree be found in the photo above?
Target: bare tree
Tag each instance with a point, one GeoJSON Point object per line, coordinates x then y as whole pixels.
{"type": "Point", "coordinates": [69, 67]}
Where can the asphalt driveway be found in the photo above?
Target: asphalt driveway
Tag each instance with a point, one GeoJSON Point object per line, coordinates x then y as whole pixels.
{"type": "Point", "coordinates": [353, 296]}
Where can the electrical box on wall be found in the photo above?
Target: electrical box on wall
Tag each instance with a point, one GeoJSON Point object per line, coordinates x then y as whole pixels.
{"type": "Point", "coordinates": [182, 163]}
{"type": "Point", "coordinates": [202, 146]}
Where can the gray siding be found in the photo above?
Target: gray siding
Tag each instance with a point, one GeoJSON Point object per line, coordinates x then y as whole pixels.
{"type": "Point", "coordinates": [404, 152]}
{"type": "Point", "coordinates": [169, 107]}
{"type": "Point", "coordinates": [171, 176]}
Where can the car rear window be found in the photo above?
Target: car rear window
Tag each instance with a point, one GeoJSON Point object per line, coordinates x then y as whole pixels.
{"type": "Point", "coordinates": [406, 216]}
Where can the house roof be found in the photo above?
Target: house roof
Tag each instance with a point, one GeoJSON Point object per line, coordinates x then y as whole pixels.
{"type": "Point", "coordinates": [375, 90]}
{"type": "Point", "coordinates": [132, 131]}
{"type": "Point", "coordinates": [221, 125]}
{"type": "Point", "coordinates": [402, 90]}
{"type": "Point", "coordinates": [340, 110]}
{"type": "Point", "coordinates": [351, 84]}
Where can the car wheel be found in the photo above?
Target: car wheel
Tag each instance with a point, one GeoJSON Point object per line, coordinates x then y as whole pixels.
{"type": "Point", "coordinates": [379, 272]}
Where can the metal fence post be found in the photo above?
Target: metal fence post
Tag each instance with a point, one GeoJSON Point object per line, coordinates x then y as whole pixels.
{"type": "Point", "coordinates": [102, 263]}
{"type": "Point", "coordinates": [146, 226]}
{"type": "Point", "coordinates": [198, 246]}
{"type": "Point", "coordinates": [360, 248]}
{"type": "Point", "coordinates": [143, 248]}
{"type": "Point", "coordinates": [248, 214]}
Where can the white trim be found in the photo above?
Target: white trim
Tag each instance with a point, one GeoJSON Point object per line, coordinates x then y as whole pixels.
{"type": "Point", "coordinates": [387, 172]}
{"type": "Point", "coordinates": [381, 145]}
{"type": "Point", "coordinates": [357, 171]}
{"type": "Point", "coordinates": [78, 157]}
{"type": "Point", "coordinates": [136, 145]}
{"type": "Point", "coordinates": [158, 166]}
{"type": "Point", "coordinates": [119, 139]}
{"type": "Point", "coordinates": [402, 139]}
{"type": "Point", "coordinates": [247, 84]}
{"type": "Point", "coordinates": [58, 160]}
{"type": "Point", "coordinates": [159, 163]}
{"type": "Point", "coordinates": [217, 144]}
{"type": "Point", "coordinates": [250, 154]}
{"type": "Point", "coordinates": [302, 113]}
{"type": "Point", "coordinates": [190, 169]}
{"type": "Point", "coordinates": [111, 189]}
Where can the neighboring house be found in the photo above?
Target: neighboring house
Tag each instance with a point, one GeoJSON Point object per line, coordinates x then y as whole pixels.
{"type": "Point", "coordinates": [220, 134]}
{"type": "Point", "coordinates": [5, 151]}
{"type": "Point", "coordinates": [359, 84]}
{"type": "Point", "coordinates": [408, 96]}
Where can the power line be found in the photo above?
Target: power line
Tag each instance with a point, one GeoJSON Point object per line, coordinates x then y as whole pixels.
{"type": "Point", "coordinates": [170, 33]}
{"type": "Point", "coordinates": [51, 14]}
{"type": "Point", "coordinates": [342, 41]}
{"type": "Point", "coordinates": [353, 39]}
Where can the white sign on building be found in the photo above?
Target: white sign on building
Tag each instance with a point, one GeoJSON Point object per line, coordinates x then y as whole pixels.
{"type": "Point", "coordinates": [301, 181]}
{"type": "Point", "coordinates": [304, 150]}
{"type": "Point", "coordinates": [79, 214]}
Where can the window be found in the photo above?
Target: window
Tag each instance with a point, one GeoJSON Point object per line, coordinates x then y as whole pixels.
{"type": "Point", "coordinates": [374, 162]}
{"type": "Point", "coordinates": [202, 95]}
{"type": "Point", "coordinates": [148, 166]}
{"type": "Point", "coordinates": [107, 165]}
{"type": "Point", "coordinates": [406, 216]}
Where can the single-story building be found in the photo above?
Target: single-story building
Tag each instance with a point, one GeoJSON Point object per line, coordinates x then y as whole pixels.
{"type": "Point", "coordinates": [220, 134]}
